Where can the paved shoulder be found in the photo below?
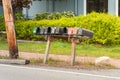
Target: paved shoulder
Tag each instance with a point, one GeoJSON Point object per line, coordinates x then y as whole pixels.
{"type": "Point", "coordinates": [9, 72]}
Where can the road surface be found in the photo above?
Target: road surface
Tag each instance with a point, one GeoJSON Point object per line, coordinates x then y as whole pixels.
{"type": "Point", "coordinates": [14, 72]}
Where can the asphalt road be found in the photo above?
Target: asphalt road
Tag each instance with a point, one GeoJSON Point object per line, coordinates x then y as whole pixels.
{"type": "Point", "coordinates": [12, 72]}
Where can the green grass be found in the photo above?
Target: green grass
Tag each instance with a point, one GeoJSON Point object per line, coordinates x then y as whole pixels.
{"type": "Point", "coordinates": [64, 48]}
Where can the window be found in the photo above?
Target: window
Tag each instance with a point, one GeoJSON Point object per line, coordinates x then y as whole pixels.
{"type": "Point", "coordinates": [97, 5]}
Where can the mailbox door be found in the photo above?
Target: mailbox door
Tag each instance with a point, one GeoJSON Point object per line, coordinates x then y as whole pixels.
{"type": "Point", "coordinates": [41, 31]}
{"type": "Point", "coordinates": [70, 31]}
{"type": "Point", "coordinates": [53, 30]}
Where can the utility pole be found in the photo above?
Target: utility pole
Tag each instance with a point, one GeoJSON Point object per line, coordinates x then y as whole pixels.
{"type": "Point", "coordinates": [10, 29]}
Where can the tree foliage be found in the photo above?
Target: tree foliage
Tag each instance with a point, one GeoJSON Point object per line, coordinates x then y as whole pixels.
{"type": "Point", "coordinates": [19, 4]}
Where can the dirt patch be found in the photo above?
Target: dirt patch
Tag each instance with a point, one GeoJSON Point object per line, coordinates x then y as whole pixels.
{"type": "Point", "coordinates": [64, 60]}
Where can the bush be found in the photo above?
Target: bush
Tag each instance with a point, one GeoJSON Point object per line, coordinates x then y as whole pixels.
{"type": "Point", "coordinates": [19, 16]}
{"type": "Point", "coordinates": [54, 15]}
{"type": "Point", "coordinates": [24, 30]}
{"type": "Point", "coordinates": [2, 24]}
{"type": "Point", "coordinates": [106, 27]}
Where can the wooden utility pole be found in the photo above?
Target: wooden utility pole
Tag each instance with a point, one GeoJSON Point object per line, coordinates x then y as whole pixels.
{"type": "Point", "coordinates": [10, 30]}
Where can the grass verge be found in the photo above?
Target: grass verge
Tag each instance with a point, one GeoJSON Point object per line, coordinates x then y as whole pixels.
{"type": "Point", "coordinates": [64, 48]}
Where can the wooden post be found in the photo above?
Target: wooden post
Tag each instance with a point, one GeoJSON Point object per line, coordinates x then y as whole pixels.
{"type": "Point", "coordinates": [9, 22]}
{"type": "Point", "coordinates": [73, 40]}
{"type": "Point", "coordinates": [47, 49]}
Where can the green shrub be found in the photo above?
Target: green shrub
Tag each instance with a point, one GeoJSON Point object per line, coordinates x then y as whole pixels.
{"type": "Point", "coordinates": [24, 30]}
{"type": "Point", "coordinates": [2, 24]}
{"type": "Point", "coordinates": [106, 27]}
{"type": "Point", "coordinates": [41, 16]}
{"type": "Point", "coordinates": [19, 16]}
{"type": "Point", "coordinates": [54, 15]}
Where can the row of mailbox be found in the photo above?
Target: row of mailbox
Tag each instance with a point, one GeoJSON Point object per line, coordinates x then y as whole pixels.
{"type": "Point", "coordinates": [62, 31]}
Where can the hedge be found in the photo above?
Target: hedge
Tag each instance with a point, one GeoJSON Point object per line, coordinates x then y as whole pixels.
{"type": "Point", "coordinates": [53, 15]}
{"type": "Point", "coordinates": [106, 27]}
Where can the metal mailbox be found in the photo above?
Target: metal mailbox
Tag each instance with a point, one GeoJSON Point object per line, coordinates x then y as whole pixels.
{"type": "Point", "coordinates": [53, 30]}
{"type": "Point", "coordinates": [65, 30]}
{"type": "Point", "coordinates": [58, 31]}
{"type": "Point", "coordinates": [47, 31]}
{"type": "Point", "coordinates": [36, 30]}
{"type": "Point", "coordinates": [85, 32]}
{"type": "Point", "coordinates": [42, 31]}
{"type": "Point", "coordinates": [72, 31]}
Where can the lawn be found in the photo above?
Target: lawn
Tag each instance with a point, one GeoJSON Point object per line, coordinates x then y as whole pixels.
{"type": "Point", "coordinates": [64, 48]}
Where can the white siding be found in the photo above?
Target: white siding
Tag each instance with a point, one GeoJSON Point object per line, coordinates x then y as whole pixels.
{"type": "Point", "coordinates": [76, 6]}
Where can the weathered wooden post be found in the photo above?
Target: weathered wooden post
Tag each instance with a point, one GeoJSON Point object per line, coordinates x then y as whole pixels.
{"type": "Point", "coordinates": [9, 22]}
{"type": "Point", "coordinates": [73, 40]}
{"type": "Point", "coordinates": [47, 49]}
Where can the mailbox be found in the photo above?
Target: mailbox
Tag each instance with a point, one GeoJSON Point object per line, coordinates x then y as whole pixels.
{"type": "Point", "coordinates": [53, 30]}
{"type": "Point", "coordinates": [42, 31]}
{"type": "Point", "coordinates": [58, 31]}
{"type": "Point", "coordinates": [85, 32]}
{"type": "Point", "coordinates": [47, 31]}
{"type": "Point", "coordinates": [72, 31]}
{"type": "Point", "coordinates": [75, 31]}
{"type": "Point", "coordinates": [65, 30]}
{"type": "Point", "coordinates": [36, 30]}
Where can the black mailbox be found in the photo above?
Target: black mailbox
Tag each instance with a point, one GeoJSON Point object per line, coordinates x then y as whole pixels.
{"type": "Point", "coordinates": [47, 31]}
{"type": "Point", "coordinates": [85, 32]}
{"type": "Point", "coordinates": [65, 30]}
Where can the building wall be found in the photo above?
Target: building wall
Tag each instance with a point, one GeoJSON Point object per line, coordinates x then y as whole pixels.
{"type": "Point", "coordinates": [76, 6]}
{"type": "Point", "coordinates": [60, 5]}
{"type": "Point", "coordinates": [49, 6]}
{"type": "Point", "coordinates": [36, 7]}
{"type": "Point", "coordinates": [63, 5]}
